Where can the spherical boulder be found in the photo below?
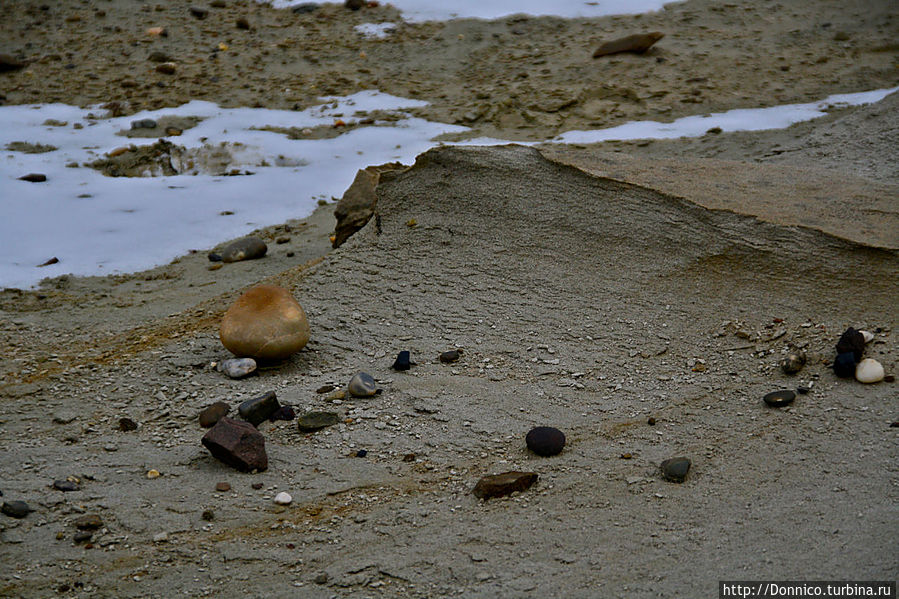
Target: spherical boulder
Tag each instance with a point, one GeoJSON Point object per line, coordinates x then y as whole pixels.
{"type": "Point", "coordinates": [265, 323]}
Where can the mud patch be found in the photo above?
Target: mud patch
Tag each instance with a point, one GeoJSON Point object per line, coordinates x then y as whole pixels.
{"type": "Point", "coordinates": [165, 159]}
{"type": "Point", "coordinates": [30, 148]}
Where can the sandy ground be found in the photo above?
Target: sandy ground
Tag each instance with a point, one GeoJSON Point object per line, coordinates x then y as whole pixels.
{"type": "Point", "coordinates": [661, 280]}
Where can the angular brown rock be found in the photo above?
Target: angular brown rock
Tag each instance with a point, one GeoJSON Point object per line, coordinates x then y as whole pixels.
{"type": "Point", "coordinates": [237, 444]}
{"type": "Point", "coordinates": [357, 205]}
{"type": "Point", "coordinates": [498, 485]}
{"type": "Point", "coordinates": [639, 43]}
{"type": "Point", "coordinates": [265, 323]}
{"type": "Point", "coordinates": [213, 413]}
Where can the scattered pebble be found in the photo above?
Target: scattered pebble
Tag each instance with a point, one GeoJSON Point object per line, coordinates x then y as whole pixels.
{"type": "Point", "coordinates": [157, 56]}
{"type": "Point", "coordinates": [222, 487]}
{"type": "Point", "coordinates": [161, 537]}
{"type": "Point", "coordinates": [53, 260]}
{"type": "Point", "coordinates": [869, 371]}
{"type": "Point", "coordinates": [208, 515]}
{"type": "Point", "coordinates": [793, 362]}
{"type": "Point", "coordinates": [259, 409]}
{"type": "Point", "coordinates": [151, 474]}
{"type": "Point", "coordinates": [237, 368]}
{"type": "Point", "coordinates": [83, 536]}
{"type": "Point", "coordinates": [283, 413]}
{"type": "Point", "coordinates": [213, 257]}
{"type": "Point", "coordinates": [242, 23]}
{"type": "Point", "coordinates": [143, 124]}
{"type": "Point", "coordinates": [265, 323]}
{"type": "Point", "coordinates": [403, 361]}
{"type": "Point", "coordinates": [237, 444]}
{"type": "Point", "coordinates": [248, 248]}
{"type": "Point", "coordinates": [867, 336]}
{"type": "Point", "coordinates": [15, 509]}
{"type": "Point", "coordinates": [362, 385]}
{"type": "Point", "coordinates": [326, 388]}
{"type": "Point", "coordinates": [803, 390]}
{"type": "Point", "coordinates": [166, 68]}
{"type": "Point", "coordinates": [88, 522]}
{"type": "Point", "coordinates": [283, 498]}
{"type": "Point", "coordinates": [127, 425]}
{"type": "Point", "coordinates": [34, 177]}
{"type": "Point", "coordinates": [66, 485]}
{"type": "Point", "coordinates": [651, 421]}
{"type": "Point", "coordinates": [545, 440]}
{"type": "Point", "coordinates": [198, 12]}
{"type": "Point", "coordinates": [637, 43]}
{"type": "Point", "coordinates": [498, 485]}
{"type": "Point", "coordinates": [676, 469]}
{"type": "Point", "coordinates": [450, 356]}
{"type": "Point", "coordinates": [361, 453]}
{"type": "Point", "coordinates": [313, 421]}
{"type": "Point", "coordinates": [10, 63]}
{"type": "Point", "coordinates": [211, 414]}
{"type": "Point", "coordinates": [777, 399]}
{"type": "Point", "coordinates": [409, 457]}
{"type": "Point", "coordinates": [257, 486]}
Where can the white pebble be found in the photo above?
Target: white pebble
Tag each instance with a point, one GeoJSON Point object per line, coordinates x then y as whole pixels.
{"type": "Point", "coordinates": [283, 498]}
{"type": "Point", "coordinates": [869, 370]}
{"type": "Point", "coordinates": [869, 336]}
{"type": "Point", "coordinates": [161, 537]}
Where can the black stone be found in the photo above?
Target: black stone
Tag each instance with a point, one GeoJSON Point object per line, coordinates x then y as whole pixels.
{"type": "Point", "coordinates": [676, 469]}
{"type": "Point", "coordinates": [259, 409]}
{"type": "Point", "coordinates": [852, 341]}
{"type": "Point", "coordinates": [776, 399]}
{"type": "Point", "coordinates": [198, 12]}
{"type": "Point", "coordinates": [208, 515]}
{"type": "Point", "coordinates": [354, 4]}
{"type": "Point", "coordinates": [211, 414]}
{"type": "Point", "coordinates": [213, 257]}
{"type": "Point", "coordinates": [450, 356]}
{"type": "Point", "coordinates": [15, 509]}
{"type": "Point", "coordinates": [83, 536]}
{"type": "Point", "coordinates": [65, 485]}
{"type": "Point", "coordinates": [313, 421]}
{"type": "Point", "coordinates": [403, 361]}
{"type": "Point", "coordinates": [844, 365]}
{"type": "Point", "coordinates": [34, 177]}
{"type": "Point", "coordinates": [361, 453]}
{"type": "Point", "coordinates": [802, 390]}
{"type": "Point", "coordinates": [143, 124]}
{"type": "Point", "coordinates": [127, 425]}
{"type": "Point", "coordinates": [283, 413]}
{"type": "Point", "coordinates": [545, 440]}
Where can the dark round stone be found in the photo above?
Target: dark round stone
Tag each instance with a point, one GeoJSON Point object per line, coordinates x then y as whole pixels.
{"type": "Point", "coordinates": [676, 469]}
{"type": "Point", "coordinates": [852, 341]}
{"type": "Point", "coordinates": [361, 453]}
{"type": "Point", "coordinates": [65, 485]}
{"type": "Point", "coordinates": [403, 361]}
{"type": "Point", "coordinates": [651, 421]}
{"type": "Point", "coordinates": [127, 425]}
{"type": "Point", "coordinates": [776, 399]}
{"type": "Point", "coordinates": [844, 365]}
{"type": "Point", "coordinates": [793, 363]}
{"type": "Point", "coordinates": [208, 515]}
{"type": "Point", "coordinates": [545, 440]}
{"type": "Point", "coordinates": [15, 509]}
{"type": "Point", "coordinates": [450, 356]}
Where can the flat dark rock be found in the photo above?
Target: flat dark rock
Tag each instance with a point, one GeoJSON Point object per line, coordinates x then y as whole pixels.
{"type": "Point", "coordinates": [34, 177]}
{"type": "Point", "coordinates": [313, 421]}
{"type": "Point", "coordinates": [259, 409]}
{"type": "Point", "coordinates": [211, 414]}
{"type": "Point", "coordinates": [237, 444]}
{"type": "Point", "coordinates": [449, 356]}
{"type": "Point", "coordinates": [545, 440]}
{"type": "Point", "coordinates": [65, 485]}
{"type": "Point", "coordinates": [776, 399]}
{"type": "Point", "coordinates": [88, 522]}
{"type": "Point", "coordinates": [676, 469]}
{"type": "Point", "coordinates": [248, 248]}
{"type": "Point", "coordinates": [498, 485]}
{"type": "Point", "coordinates": [15, 509]}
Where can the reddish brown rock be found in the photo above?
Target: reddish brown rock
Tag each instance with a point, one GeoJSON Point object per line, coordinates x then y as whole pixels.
{"type": "Point", "coordinates": [639, 43]}
{"type": "Point", "coordinates": [237, 444]}
{"type": "Point", "coordinates": [213, 413]}
{"type": "Point", "coordinates": [498, 485]}
{"type": "Point", "coordinates": [265, 323]}
{"type": "Point", "coordinates": [357, 205]}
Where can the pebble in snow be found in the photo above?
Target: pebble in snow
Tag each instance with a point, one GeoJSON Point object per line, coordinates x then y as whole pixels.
{"type": "Point", "coordinates": [237, 368]}
{"type": "Point", "coordinates": [362, 385]}
{"type": "Point", "coordinates": [776, 399]}
{"type": "Point", "coordinates": [403, 361]}
{"type": "Point", "coordinates": [15, 509]}
{"type": "Point", "coordinates": [34, 177]}
{"type": "Point", "coordinates": [283, 498]}
{"type": "Point", "coordinates": [545, 440]}
{"type": "Point", "coordinates": [869, 370]}
{"type": "Point", "coordinates": [676, 469]}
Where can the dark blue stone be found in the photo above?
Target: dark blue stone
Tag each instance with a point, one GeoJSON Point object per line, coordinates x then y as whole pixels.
{"type": "Point", "coordinates": [844, 365]}
{"type": "Point", "coordinates": [403, 361]}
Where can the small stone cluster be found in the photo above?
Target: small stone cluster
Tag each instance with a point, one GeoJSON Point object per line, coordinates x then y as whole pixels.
{"type": "Point", "coordinates": [849, 362]}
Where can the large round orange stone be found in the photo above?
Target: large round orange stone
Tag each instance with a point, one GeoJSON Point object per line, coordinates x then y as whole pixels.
{"type": "Point", "coordinates": [265, 323]}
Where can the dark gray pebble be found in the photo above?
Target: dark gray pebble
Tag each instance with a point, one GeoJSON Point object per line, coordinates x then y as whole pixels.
{"type": "Point", "coordinates": [776, 399]}
{"type": "Point", "coordinates": [403, 361]}
{"type": "Point", "coordinates": [793, 362]}
{"type": "Point", "coordinates": [361, 453]}
{"type": "Point", "coordinates": [450, 356]}
{"type": "Point", "coordinates": [213, 257]}
{"type": "Point", "coordinates": [545, 440]}
{"type": "Point", "coordinates": [257, 410]}
{"type": "Point", "coordinates": [313, 421]}
{"type": "Point", "coordinates": [283, 413]}
{"type": "Point", "coordinates": [127, 425]}
{"type": "Point", "coordinates": [89, 522]}
{"type": "Point", "coordinates": [198, 12]}
{"type": "Point", "coordinates": [158, 56]}
{"type": "Point", "coordinates": [802, 390]}
{"type": "Point", "coordinates": [65, 485]}
{"type": "Point", "coordinates": [247, 248]}
{"type": "Point", "coordinates": [143, 124]}
{"type": "Point", "coordinates": [208, 515]}
{"type": "Point", "coordinates": [676, 469]}
{"type": "Point", "coordinates": [83, 536]}
{"type": "Point", "coordinates": [15, 509]}
{"type": "Point", "coordinates": [305, 7]}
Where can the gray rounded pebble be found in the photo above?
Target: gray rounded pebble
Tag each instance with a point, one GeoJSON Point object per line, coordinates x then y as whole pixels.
{"type": "Point", "coordinates": [362, 385]}
{"type": "Point", "coordinates": [676, 469]}
{"type": "Point", "coordinates": [247, 248]}
{"type": "Point", "coordinates": [15, 509]}
{"type": "Point", "coordinates": [237, 368]}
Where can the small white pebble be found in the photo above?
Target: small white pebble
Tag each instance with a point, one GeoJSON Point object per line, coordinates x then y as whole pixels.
{"type": "Point", "coordinates": [283, 498]}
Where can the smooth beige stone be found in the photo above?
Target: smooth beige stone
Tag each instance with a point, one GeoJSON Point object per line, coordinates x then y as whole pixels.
{"type": "Point", "coordinates": [265, 323]}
